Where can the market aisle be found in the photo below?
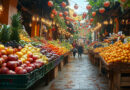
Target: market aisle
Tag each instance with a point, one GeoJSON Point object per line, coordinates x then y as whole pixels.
{"type": "Point", "coordinates": [77, 74]}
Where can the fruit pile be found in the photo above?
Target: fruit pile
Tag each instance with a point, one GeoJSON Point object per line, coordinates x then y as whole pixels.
{"type": "Point", "coordinates": [24, 59]}
{"type": "Point", "coordinates": [99, 49]}
{"type": "Point", "coordinates": [21, 60]}
{"type": "Point", "coordinates": [118, 52]}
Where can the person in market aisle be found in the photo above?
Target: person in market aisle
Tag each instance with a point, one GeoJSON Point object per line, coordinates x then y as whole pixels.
{"type": "Point", "coordinates": [80, 50]}
{"type": "Point", "coordinates": [74, 44]}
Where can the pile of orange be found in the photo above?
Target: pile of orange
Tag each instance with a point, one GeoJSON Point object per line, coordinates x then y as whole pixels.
{"type": "Point", "coordinates": [118, 52]}
{"type": "Point", "coordinates": [99, 49]}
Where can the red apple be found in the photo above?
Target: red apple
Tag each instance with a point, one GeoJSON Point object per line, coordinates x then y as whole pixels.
{"type": "Point", "coordinates": [22, 71]}
{"type": "Point", "coordinates": [19, 62]}
{"type": "Point", "coordinates": [32, 65]}
{"type": "Point", "coordinates": [29, 69]}
{"type": "Point", "coordinates": [24, 65]}
{"type": "Point", "coordinates": [12, 64]}
{"type": "Point", "coordinates": [12, 57]}
{"type": "Point", "coordinates": [37, 65]}
{"type": "Point", "coordinates": [0, 54]}
{"type": "Point", "coordinates": [3, 52]}
{"type": "Point", "coordinates": [11, 72]}
{"type": "Point", "coordinates": [106, 3]}
{"type": "Point", "coordinates": [4, 70]}
{"type": "Point", "coordinates": [35, 57]}
{"type": "Point", "coordinates": [5, 57]}
{"type": "Point", "coordinates": [19, 48]}
{"type": "Point", "coordinates": [27, 62]}
{"type": "Point", "coordinates": [30, 59]}
{"type": "Point", "coordinates": [4, 64]}
{"type": "Point", "coordinates": [18, 68]}
{"type": "Point", "coordinates": [41, 62]}
{"type": "Point", "coordinates": [2, 61]}
{"type": "Point", "coordinates": [30, 55]}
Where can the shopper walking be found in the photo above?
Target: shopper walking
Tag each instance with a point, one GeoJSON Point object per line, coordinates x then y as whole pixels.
{"type": "Point", "coordinates": [74, 48]}
{"type": "Point", "coordinates": [80, 50]}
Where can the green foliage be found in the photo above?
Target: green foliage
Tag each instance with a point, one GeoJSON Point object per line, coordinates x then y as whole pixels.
{"type": "Point", "coordinates": [16, 26]}
{"type": "Point", "coordinates": [5, 34]}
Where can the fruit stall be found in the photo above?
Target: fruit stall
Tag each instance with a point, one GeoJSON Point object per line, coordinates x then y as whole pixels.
{"type": "Point", "coordinates": [25, 60]}
{"type": "Point", "coordinates": [113, 61]}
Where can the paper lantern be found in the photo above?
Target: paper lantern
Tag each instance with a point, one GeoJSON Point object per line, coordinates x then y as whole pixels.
{"type": "Point", "coordinates": [101, 10]}
{"type": "Point", "coordinates": [65, 13]}
{"type": "Point", "coordinates": [88, 7]}
{"type": "Point", "coordinates": [52, 15]}
{"type": "Point", "coordinates": [60, 14]}
{"type": "Point", "coordinates": [76, 6]}
{"type": "Point", "coordinates": [93, 14]}
{"type": "Point", "coordinates": [106, 4]}
{"type": "Point", "coordinates": [74, 15]}
{"type": "Point", "coordinates": [50, 3]}
{"type": "Point", "coordinates": [91, 19]}
{"type": "Point", "coordinates": [63, 4]}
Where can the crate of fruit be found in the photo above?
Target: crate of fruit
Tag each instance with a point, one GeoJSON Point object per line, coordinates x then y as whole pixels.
{"type": "Point", "coordinates": [23, 81]}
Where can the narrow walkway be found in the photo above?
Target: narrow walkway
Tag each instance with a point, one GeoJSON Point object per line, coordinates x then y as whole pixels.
{"type": "Point", "coordinates": [78, 74]}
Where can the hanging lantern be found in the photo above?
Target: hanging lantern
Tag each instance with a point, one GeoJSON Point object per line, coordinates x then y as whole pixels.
{"type": "Point", "coordinates": [101, 10]}
{"type": "Point", "coordinates": [53, 11]}
{"type": "Point", "coordinates": [91, 19]}
{"type": "Point", "coordinates": [74, 15]}
{"type": "Point", "coordinates": [80, 24]}
{"type": "Point", "coordinates": [86, 20]}
{"type": "Point", "coordinates": [88, 7]}
{"type": "Point", "coordinates": [60, 14]}
{"type": "Point", "coordinates": [50, 3]}
{"type": "Point", "coordinates": [93, 14]}
{"type": "Point", "coordinates": [123, 1]}
{"type": "Point", "coordinates": [67, 22]}
{"type": "Point", "coordinates": [106, 4]}
{"type": "Point", "coordinates": [76, 6]}
{"type": "Point", "coordinates": [65, 13]}
{"type": "Point", "coordinates": [86, 26]}
{"type": "Point", "coordinates": [52, 15]}
{"type": "Point", "coordinates": [67, 18]}
{"type": "Point", "coordinates": [53, 29]}
{"type": "Point", "coordinates": [84, 15]}
{"type": "Point", "coordinates": [63, 4]}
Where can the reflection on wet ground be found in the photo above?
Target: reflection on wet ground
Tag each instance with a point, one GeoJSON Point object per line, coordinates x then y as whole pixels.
{"type": "Point", "coordinates": [78, 74]}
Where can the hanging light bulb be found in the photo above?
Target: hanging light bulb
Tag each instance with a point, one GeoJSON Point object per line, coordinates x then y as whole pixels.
{"type": "Point", "coordinates": [37, 18]}
{"type": "Point", "coordinates": [1, 6]}
{"type": "Point", "coordinates": [33, 18]}
{"type": "Point", "coordinates": [111, 21]}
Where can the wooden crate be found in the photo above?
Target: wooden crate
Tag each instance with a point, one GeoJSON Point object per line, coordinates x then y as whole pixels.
{"type": "Point", "coordinates": [118, 74]}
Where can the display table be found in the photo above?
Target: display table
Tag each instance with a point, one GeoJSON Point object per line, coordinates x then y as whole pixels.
{"type": "Point", "coordinates": [118, 73]}
{"type": "Point", "coordinates": [23, 82]}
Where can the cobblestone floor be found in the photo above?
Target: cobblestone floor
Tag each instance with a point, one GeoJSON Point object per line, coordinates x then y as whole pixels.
{"type": "Point", "coordinates": [78, 74]}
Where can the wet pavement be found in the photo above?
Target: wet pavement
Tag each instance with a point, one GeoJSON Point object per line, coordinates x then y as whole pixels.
{"type": "Point", "coordinates": [78, 74]}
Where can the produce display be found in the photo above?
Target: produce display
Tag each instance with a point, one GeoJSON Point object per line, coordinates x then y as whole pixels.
{"type": "Point", "coordinates": [118, 52]}
{"type": "Point", "coordinates": [26, 58]}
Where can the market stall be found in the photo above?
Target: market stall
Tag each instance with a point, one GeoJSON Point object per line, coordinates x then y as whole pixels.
{"type": "Point", "coordinates": [114, 62]}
